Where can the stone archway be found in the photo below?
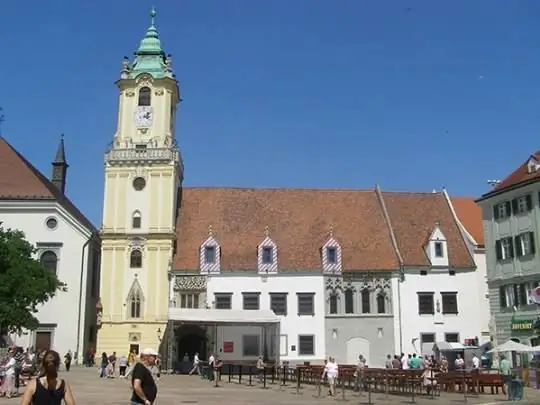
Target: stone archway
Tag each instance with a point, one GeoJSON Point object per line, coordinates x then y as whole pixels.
{"type": "Point", "coordinates": [190, 339]}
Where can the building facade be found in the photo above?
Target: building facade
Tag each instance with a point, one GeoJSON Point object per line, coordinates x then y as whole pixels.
{"type": "Point", "coordinates": [66, 243]}
{"type": "Point", "coordinates": [511, 213]}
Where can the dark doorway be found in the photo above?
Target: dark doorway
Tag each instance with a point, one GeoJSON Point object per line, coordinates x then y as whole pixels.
{"type": "Point", "coordinates": [43, 341]}
{"type": "Point", "coordinates": [191, 339]}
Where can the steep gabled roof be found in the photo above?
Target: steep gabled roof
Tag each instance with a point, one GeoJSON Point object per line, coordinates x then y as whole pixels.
{"type": "Point", "coordinates": [414, 216]}
{"type": "Point", "coordinates": [519, 177]}
{"type": "Point", "coordinates": [470, 216]}
{"type": "Point", "coordinates": [299, 221]}
{"type": "Point", "coordinates": [20, 180]}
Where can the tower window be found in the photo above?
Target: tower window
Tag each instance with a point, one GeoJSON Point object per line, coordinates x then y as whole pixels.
{"type": "Point", "coordinates": [136, 220]}
{"type": "Point", "coordinates": [210, 254]}
{"type": "Point", "coordinates": [135, 259]}
{"type": "Point", "coordinates": [145, 96]}
{"type": "Point", "coordinates": [267, 255]}
{"type": "Point", "coordinates": [331, 255]}
{"type": "Point", "coordinates": [135, 303]}
{"type": "Point", "coordinates": [49, 261]}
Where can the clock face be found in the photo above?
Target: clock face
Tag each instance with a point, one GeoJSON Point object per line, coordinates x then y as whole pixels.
{"type": "Point", "coordinates": [143, 116]}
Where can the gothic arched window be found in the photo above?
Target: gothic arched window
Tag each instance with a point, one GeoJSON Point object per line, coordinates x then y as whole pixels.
{"type": "Point", "coordinates": [349, 301]}
{"type": "Point", "coordinates": [136, 220]}
{"type": "Point", "coordinates": [135, 259]}
{"type": "Point", "coordinates": [49, 261]}
{"type": "Point", "coordinates": [135, 302]}
{"type": "Point", "coordinates": [381, 303]}
{"type": "Point", "coordinates": [333, 303]}
{"type": "Point", "coordinates": [366, 301]}
{"type": "Point", "coordinates": [145, 96]}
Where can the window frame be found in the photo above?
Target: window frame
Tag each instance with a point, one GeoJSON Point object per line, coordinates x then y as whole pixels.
{"type": "Point", "coordinates": [381, 298]}
{"type": "Point", "coordinates": [332, 255]}
{"type": "Point", "coordinates": [220, 296]}
{"type": "Point", "coordinates": [251, 353]}
{"type": "Point", "coordinates": [135, 259]}
{"type": "Point", "coordinates": [431, 335]}
{"type": "Point", "coordinates": [267, 255]}
{"type": "Point", "coordinates": [348, 297]}
{"type": "Point", "coordinates": [135, 304]}
{"type": "Point", "coordinates": [451, 334]}
{"type": "Point", "coordinates": [365, 298]}
{"type": "Point", "coordinates": [439, 249]}
{"type": "Point", "coordinates": [246, 305]}
{"type": "Point", "coordinates": [426, 294]}
{"type": "Point", "coordinates": [305, 295]}
{"type": "Point", "coordinates": [207, 250]}
{"type": "Point", "coordinates": [136, 220]}
{"type": "Point", "coordinates": [144, 97]}
{"type": "Point", "coordinates": [454, 303]}
{"type": "Point", "coordinates": [46, 260]}
{"type": "Point", "coordinates": [333, 303]}
{"type": "Point", "coordinates": [274, 304]}
{"type": "Point", "coordinates": [302, 350]}
{"type": "Point", "coordinates": [185, 298]}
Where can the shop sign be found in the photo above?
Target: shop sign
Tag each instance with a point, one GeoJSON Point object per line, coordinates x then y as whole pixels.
{"type": "Point", "coordinates": [522, 325]}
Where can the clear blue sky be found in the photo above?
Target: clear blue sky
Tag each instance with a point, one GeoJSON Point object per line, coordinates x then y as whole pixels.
{"type": "Point", "coordinates": [412, 95]}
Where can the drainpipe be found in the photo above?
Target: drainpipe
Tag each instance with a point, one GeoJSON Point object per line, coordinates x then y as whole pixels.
{"type": "Point", "coordinates": [85, 246]}
{"type": "Point", "coordinates": [401, 273]}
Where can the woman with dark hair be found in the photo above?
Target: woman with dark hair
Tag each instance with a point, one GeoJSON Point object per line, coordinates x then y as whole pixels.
{"type": "Point", "coordinates": [47, 389]}
{"type": "Point", "coordinates": [103, 365]}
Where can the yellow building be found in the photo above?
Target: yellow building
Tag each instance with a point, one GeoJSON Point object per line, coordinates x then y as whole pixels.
{"type": "Point", "coordinates": [143, 170]}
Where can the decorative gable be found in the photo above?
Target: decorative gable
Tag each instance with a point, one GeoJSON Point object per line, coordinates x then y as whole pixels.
{"type": "Point", "coordinates": [437, 248]}
{"type": "Point", "coordinates": [267, 255]}
{"type": "Point", "coordinates": [331, 255]}
{"type": "Point", "coordinates": [210, 255]}
{"type": "Point", "coordinates": [533, 165]}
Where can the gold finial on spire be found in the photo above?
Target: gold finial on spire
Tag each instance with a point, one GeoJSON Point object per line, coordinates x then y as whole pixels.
{"type": "Point", "coordinates": [437, 223]}
{"type": "Point", "coordinates": [210, 230]}
{"type": "Point", "coordinates": [331, 231]}
{"type": "Point", "coordinates": [266, 231]}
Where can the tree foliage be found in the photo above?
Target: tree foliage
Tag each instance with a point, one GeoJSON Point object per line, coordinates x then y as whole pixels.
{"type": "Point", "coordinates": [24, 283]}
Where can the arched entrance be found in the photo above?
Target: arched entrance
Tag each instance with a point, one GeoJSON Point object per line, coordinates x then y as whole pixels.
{"type": "Point", "coordinates": [191, 339]}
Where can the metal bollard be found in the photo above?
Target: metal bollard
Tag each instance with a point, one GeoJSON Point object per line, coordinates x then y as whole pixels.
{"type": "Point", "coordinates": [230, 372]}
{"type": "Point", "coordinates": [250, 374]}
{"type": "Point", "coordinates": [386, 382]}
{"type": "Point", "coordinates": [273, 381]}
{"type": "Point", "coordinates": [239, 374]}
{"type": "Point", "coordinates": [298, 376]}
{"type": "Point", "coordinates": [413, 399]}
{"type": "Point", "coordinates": [464, 387]}
{"type": "Point", "coordinates": [264, 377]}
{"type": "Point", "coordinates": [343, 389]}
{"type": "Point", "coordinates": [284, 375]}
{"type": "Point", "coordinates": [319, 389]}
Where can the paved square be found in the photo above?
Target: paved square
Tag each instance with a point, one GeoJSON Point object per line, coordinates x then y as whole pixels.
{"type": "Point", "coordinates": [89, 389]}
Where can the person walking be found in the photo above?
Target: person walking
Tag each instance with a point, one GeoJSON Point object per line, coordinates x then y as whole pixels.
{"type": "Point", "coordinates": [144, 387]}
{"type": "Point", "coordinates": [47, 389]}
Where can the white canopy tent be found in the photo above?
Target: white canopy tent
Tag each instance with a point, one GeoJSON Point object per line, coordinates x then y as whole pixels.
{"type": "Point", "coordinates": [512, 346]}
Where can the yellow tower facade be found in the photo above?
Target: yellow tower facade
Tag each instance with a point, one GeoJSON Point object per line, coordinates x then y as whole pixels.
{"type": "Point", "coordinates": [143, 171]}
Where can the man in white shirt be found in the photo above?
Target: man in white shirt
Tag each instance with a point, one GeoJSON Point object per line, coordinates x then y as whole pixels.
{"type": "Point", "coordinates": [405, 362]}
{"type": "Point", "coordinates": [332, 373]}
{"type": "Point", "coordinates": [475, 362]}
{"type": "Point", "coordinates": [196, 362]}
{"type": "Point", "coordinates": [459, 364]}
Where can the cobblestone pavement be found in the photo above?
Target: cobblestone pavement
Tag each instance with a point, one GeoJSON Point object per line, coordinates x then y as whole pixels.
{"type": "Point", "coordinates": [89, 389]}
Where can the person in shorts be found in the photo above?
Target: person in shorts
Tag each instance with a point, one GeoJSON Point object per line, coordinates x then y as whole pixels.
{"type": "Point", "coordinates": [332, 373]}
{"type": "Point", "coordinates": [142, 381]}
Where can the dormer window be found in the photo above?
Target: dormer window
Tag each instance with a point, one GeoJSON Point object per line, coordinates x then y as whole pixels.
{"type": "Point", "coordinates": [439, 249]}
{"type": "Point", "coordinates": [331, 255]}
{"type": "Point", "coordinates": [267, 255]}
{"type": "Point", "coordinates": [210, 255]}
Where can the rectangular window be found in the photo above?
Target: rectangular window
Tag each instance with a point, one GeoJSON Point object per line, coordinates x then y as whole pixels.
{"type": "Point", "coordinates": [331, 255]}
{"type": "Point", "coordinates": [366, 301]}
{"type": "Point", "coordinates": [523, 296]}
{"type": "Point", "coordinates": [251, 345]}
{"type": "Point", "coordinates": [278, 303]}
{"type": "Point", "coordinates": [306, 303]}
{"type": "Point", "coordinates": [333, 303]}
{"type": "Point", "coordinates": [522, 204]}
{"type": "Point", "coordinates": [268, 255]}
{"type": "Point", "coordinates": [210, 254]}
{"type": "Point", "coordinates": [449, 303]}
{"type": "Point", "coordinates": [426, 303]}
{"type": "Point", "coordinates": [306, 345]}
{"type": "Point", "coordinates": [502, 210]}
{"type": "Point", "coordinates": [504, 249]}
{"type": "Point", "coordinates": [251, 301]}
{"type": "Point", "coordinates": [189, 301]}
{"type": "Point", "coordinates": [524, 244]}
{"type": "Point", "coordinates": [503, 303]}
{"type": "Point", "coordinates": [427, 338]}
{"type": "Point", "coordinates": [223, 300]}
{"type": "Point", "coordinates": [439, 252]}
{"type": "Point", "coordinates": [451, 337]}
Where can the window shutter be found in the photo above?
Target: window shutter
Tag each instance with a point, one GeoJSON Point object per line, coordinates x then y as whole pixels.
{"type": "Point", "coordinates": [502, 297]}
{"type": "Point", "coordinates": [514, 206]}
{"type": "Point", "coordinates": [496, 211]}
{"type": "Point", "coordinates": [528, 198]}
{"type": "Point", "coordinates": [517, 242]}
{"type": "Point", "coordinates": [498, 250]}
{"type": "Point", "coordinates": [533, 246]}
{"type": "Point", "coordinates": [511, 246]}
{"type": "Point", "coordinates": [508, 208]}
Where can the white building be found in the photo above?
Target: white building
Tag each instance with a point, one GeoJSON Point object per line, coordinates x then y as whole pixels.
{"type": "Point", "coordinates": [436, 295]}
{"type": "Point", "coordinates": [66, 243]}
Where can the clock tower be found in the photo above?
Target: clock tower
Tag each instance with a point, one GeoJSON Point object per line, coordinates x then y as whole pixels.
{"type": "Point", "coordinates": [143, 172]}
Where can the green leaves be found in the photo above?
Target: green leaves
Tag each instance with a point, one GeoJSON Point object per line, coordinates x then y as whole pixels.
{"type": "Point", "coordinates": [24, 283]}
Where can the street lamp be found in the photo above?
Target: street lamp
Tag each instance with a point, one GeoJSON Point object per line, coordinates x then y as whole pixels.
{"type": "Point", "coordinates": [159, 334]}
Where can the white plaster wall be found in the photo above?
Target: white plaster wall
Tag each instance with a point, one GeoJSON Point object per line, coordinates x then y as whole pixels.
{"type": "Point", "coordinates": [63, 309]}
{"type": "Point", "coordinates": [483, 295]}
{"type": "Point", "coordinates": [291, 325]}
{"type": "Point", "coordinates": [468, 321]}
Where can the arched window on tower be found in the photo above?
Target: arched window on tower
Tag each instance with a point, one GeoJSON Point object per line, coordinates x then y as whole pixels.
{"type": "Point", "coordinates": [145, 96]}
{"type": "Point", "coordinates": [349, 301]}
{"type": "Point", "coordinates": [333, 303]}
{"type": "Point", "coordinates": [136, 220]}
{"type": "Point", "coordinates": [49, 261]}
{"type": "Point", "coordinates": [381, 303]}
{"type": "Point", "coordinates": [135, 300]}
{"type": "Point", "coordinates": [135, 259]}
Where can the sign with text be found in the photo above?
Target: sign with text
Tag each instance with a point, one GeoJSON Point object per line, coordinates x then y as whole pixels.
{"type": "Point", "coordinates": [523, 325]}
{"type": "Point", "coordinates": [228, 347]}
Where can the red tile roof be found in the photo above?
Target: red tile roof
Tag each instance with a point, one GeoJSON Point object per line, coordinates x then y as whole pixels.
{"type": "Point", "coordinates": [299, 222]}
{"type": "Point", "coordinates": [470, 215]}
{"type": "Point", "coordinates": [20, 180]}
{"type": "Point", "coordinates": [414, 217]}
